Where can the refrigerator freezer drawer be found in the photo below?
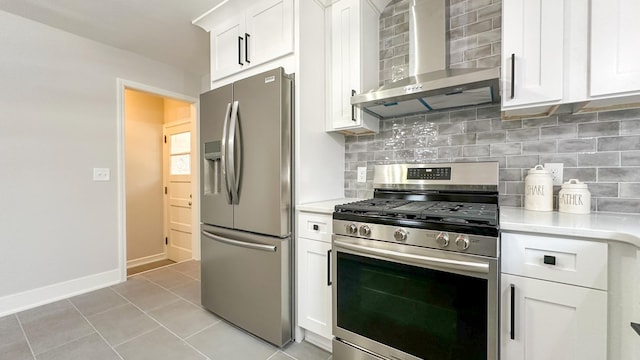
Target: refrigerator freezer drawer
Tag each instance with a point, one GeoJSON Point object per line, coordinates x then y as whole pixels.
{"type": "Point", "coordinates": [245, 280]}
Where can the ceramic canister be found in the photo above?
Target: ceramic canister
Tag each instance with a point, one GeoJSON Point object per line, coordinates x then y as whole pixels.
{"type": "Point", "coordinates": [538, 189]}
{"type": "Point", "coordinates": [574, 197]}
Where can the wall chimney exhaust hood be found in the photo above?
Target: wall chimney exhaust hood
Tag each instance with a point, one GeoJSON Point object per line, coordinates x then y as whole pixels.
{"type": "Point", "coordinates": [431, 85]}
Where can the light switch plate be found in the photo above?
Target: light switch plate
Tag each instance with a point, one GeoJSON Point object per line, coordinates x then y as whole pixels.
{"type": "Point", "coordinates": [362, 174]}
{"type": "Point", "coordinates": [101, 174]}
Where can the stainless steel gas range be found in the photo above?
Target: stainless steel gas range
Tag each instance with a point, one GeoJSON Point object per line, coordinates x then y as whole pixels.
{"type": "Point", "coordinates": [415, 269]}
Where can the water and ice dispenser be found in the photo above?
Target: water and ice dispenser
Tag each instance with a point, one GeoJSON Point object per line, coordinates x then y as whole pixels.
{"type": "Point", "coordinates": [212, 170]}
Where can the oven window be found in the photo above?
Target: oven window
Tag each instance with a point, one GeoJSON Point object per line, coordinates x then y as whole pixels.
{"type": "Point", "coordinates": [427, 313]}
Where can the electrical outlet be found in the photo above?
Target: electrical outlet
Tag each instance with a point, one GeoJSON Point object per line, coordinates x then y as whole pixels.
{"type": "Point", "coordinates": [362, 174]}
{"type": "Point", "coordinates": [556, 172]}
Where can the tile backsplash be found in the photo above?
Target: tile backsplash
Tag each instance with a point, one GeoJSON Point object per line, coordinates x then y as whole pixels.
{"type": "Point", "coordinates": [601, 149]}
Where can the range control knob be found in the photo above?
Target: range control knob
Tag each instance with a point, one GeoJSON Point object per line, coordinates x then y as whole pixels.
{"type": "Point", "coordinates": [365, 230]}
{"type": "Point", "coordinates": [462, 242]}
{"type": "Point", "coordinates": [400, 235]}
{"type": "Point", "coordinates": [352, 229]}
{"type": "Point", "coordinates": [443, 240]}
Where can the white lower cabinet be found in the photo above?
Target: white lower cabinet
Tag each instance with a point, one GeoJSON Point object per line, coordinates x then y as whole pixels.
{"type": "Point", "coordinates": [313, 259]}
{"type": "Point", "coordinates": [314, 290]}
{"type": "Point", "coordinates": [552, 321]}
{"type": "Point", "coordinates": [553, 298]}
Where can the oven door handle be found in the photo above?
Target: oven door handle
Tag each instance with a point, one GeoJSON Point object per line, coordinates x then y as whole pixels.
{"type": "Point", "coordinates": [470, 266]}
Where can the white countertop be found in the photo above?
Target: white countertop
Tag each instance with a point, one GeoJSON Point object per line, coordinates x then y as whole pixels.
{"type": "Point", "coordinates": [324, 207]}
{"type": "Point", "coordinates": [603, 226]}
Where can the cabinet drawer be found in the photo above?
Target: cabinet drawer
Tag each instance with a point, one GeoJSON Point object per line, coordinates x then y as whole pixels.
{"type": "Point", "coordinates": [568, 261]}
{"type": "Point", "coordinates": [315, 226]}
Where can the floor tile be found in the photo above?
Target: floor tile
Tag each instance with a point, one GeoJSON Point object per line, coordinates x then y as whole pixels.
{"type": "Point", "coordinates": [183, 318]}
{"type": "Point", "coordinates": [53, 325]}
{"type": "Point", "coordinates": [10, 331]}
{"type": "Point", "coordinates": [18, 350]}
{"type": "Point", "coordinates": [144, 294]}
{"type": "Point", "coordinates": [189, 291]}
{"type": "Point", "coordinates": [89, 347]}
{"type": "Point", "coordinates": [97, 301]}
{"type": "Point", "coordinates": [190, 268]}
{"type": "Point", "coordinates": [13, 344]}
{"type": "Point", "coordinates": [159, 344]}
{"type": "Point", "coordinates": [306, 351]}
{"type": "Point", "coordinates": [166, 277]}
{"type": "Point", "coordinates": [223, 341]}
{"type": "Point", "coordinates": [281, 356]}
{"type": "Point", "coordinates": [122, 323]}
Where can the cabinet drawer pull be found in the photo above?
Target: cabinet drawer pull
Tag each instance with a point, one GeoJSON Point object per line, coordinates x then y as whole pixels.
{"type": "Point", "coordinates": [513, 75]}
{"type": "Point", "coordinates": [513, 312]}
{"type": "Point", "coordinates": [549, 260]}
{"type": "Point", "coordinates": [240, 50]}
{"type": "Point", "coordinates": [316, 227]}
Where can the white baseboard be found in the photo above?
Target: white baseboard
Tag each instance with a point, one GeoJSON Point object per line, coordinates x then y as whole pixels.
{"type": "Point", "coordinates": [146, 260]}
{"type": "Point", "coordinates": [47, 294]}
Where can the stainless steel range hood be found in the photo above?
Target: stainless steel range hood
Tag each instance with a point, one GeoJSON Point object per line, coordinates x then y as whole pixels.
{"type": "Point", "coordinates": [430, 86]}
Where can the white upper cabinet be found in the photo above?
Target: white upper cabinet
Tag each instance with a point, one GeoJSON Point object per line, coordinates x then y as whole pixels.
{"type": "Point", "coordinates": [250, 37]}
{"type": "Point", "coordinates": [354, 64]}
{"type": "Point", "coordinates": [577, 54]}
{"type": "Point", "coordinates": [225, 40]}
{"type": "Point", "coordinates": [269, 30]}
{"type": "Point", "coordinates": [533, 44]}
{"type": "Point", "coordinates": [615, 54]}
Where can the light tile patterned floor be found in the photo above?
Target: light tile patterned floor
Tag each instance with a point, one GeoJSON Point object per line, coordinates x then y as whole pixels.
{"type": "Point", "coordinates": [153, 315]}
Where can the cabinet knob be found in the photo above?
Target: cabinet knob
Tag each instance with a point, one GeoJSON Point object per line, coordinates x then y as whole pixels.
{"type": "Point", "coordinates": [316, 227]}
{"type": "Point", "coordinates": [549, 260]}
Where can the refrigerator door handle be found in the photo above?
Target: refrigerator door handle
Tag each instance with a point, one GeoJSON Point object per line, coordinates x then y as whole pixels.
{"type": "Point", "coordinates": [269, 248]}
{"type": "Point", "coordinates": [234, 159]}
{"type": "Point", "coordinates": [223, 155]}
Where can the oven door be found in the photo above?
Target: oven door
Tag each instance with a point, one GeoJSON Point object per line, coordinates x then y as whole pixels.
{"type": "Point", "coordinates": [394, 301]}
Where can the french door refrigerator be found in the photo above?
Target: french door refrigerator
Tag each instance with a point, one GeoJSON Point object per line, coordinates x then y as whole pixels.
{"type": "Point", "coordinates": [246, 204]}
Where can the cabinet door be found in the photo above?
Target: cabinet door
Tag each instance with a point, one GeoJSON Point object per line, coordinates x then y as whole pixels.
{"type": "Point", "coordinates": [532, 34]}
{"type": "Point", "coordinates": [614, 49]}
{"type": "Point", "coordinates": [269, 30]}
{"type": "Point", "coordinates": [345, 61]}
{"type": "Point", "coordinates": [227, 54]}
{"type": "Point", "coordinates": [314, 287]}
{"type": "Point", "coordinates": [354, 64]}
{"type": "Point", "coordinates": [552, 321]}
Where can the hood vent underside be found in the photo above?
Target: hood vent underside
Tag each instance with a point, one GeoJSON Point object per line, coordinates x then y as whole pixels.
{"type": "Point", "coordinates": [432, 86]}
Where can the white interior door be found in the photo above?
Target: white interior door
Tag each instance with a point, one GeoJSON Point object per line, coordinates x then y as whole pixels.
{"type": "Point", "coordinates": [178, 197]}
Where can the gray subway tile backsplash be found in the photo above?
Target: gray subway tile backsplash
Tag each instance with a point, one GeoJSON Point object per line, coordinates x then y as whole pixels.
{"type": "Point", "coordinates": [628, 174]}
{"type": "Point", "coordinates": [599, 159]}
{"type": "Point", "coordinates": [630, 190]}
{"type": "Point", "coordinates": [601, 149]}
{"type": "Point", "coordinates": [630, 158]}
{"type": "Point", "coordinates": [619, 143]}
{"type": "Point", "coordinates": [576, 145]}
{"type": "Point", "coordinates": [599, 129]}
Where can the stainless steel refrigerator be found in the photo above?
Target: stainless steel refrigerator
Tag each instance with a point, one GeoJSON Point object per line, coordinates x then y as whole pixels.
{"type": "Point", "coordinates": [246, 203]}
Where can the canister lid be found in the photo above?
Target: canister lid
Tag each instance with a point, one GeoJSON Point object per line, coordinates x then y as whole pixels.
{"type": "Point", "coordinates": [539, 169]}
{"type": "Point", "coordinates": [574, 184]}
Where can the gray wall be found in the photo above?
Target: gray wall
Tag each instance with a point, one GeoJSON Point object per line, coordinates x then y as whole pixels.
{"type": "Point", "coordinates": [602, 149]}
{"type": "Point", "coordinates": [58, 120]}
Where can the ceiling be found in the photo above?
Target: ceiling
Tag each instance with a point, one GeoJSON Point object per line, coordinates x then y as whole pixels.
{"type": "Point", "coordinates": [157, 29]}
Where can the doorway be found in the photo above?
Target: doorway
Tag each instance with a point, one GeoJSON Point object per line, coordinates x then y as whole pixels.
{"type": "Point", "coordinates": [157, 177]}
